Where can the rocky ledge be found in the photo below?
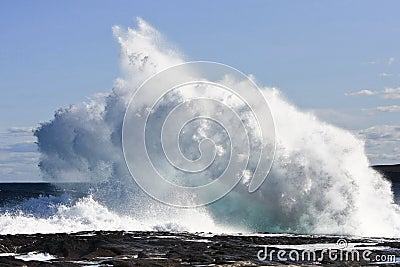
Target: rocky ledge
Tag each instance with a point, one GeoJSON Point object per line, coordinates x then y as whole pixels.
{"type": "Point", "coordinates": [183, 249]}
{"type": "Point", "coordinates": [391, 172]}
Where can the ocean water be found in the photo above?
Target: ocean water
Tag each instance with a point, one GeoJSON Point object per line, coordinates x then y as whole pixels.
{"type": "Point", "coordinates": [16, 194]}
{"type": "Point", "coordinates": [320, 181]}
{"type": "Point", "coordinates": [70, 207]}
{"type": "Point", "coordinates": [28, 208]}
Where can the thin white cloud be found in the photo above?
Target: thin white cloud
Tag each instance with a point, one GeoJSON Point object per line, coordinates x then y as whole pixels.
{"type": "Point", "coordinates": [392, 108]}
{"type": "Point", "coordinates": [387, 93]}
{"type": "Point", "coordinates": [19, 156]}
{"type": "Point", "coordinates": [391, 93]}
{"type": "Point", "coordinates": [384, 74]}
{"type": "Point", "coordinates": [382, 143]}
{"type": "Point", "coordinates": [22, 147]}
{"type": "Point", "coordinates": [21, 130]}
{"type": "Point", "coordinates": [362, 92]}
{"type": "Point", "coordinates": [382, 61]}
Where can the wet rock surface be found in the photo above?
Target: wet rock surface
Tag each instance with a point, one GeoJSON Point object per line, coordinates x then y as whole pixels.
{"type": "Point", "coordinates": [184, 249]}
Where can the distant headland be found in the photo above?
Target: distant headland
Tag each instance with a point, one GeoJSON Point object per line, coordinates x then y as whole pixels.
{"type": "Point", "coordinates": [391, 172]}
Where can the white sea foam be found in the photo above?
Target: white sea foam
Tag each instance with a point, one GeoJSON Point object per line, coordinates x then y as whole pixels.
{"type": "Point", "coordinates": [88, 214]}
{"type": "Point", "coordinates": [35, 256]}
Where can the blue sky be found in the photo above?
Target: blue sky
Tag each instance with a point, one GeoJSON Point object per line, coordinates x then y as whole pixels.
{"type": "Point", "coordinates": [321, 54]}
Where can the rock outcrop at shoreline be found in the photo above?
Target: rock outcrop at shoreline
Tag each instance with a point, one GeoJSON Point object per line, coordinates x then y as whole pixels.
{"type": "Point", "coordinates": [106, 248]}
{"type": "Point", "coordinates": [391, 172]}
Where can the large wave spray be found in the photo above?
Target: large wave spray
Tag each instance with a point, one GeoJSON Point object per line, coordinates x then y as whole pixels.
{"type": "Point", "coordinates": [320, 181]}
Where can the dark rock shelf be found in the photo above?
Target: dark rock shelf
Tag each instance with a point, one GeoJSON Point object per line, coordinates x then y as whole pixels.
{"type": "Point", "coordinates": [175, 249]}
{"type": "Point", "coordinates": [391, 172]}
